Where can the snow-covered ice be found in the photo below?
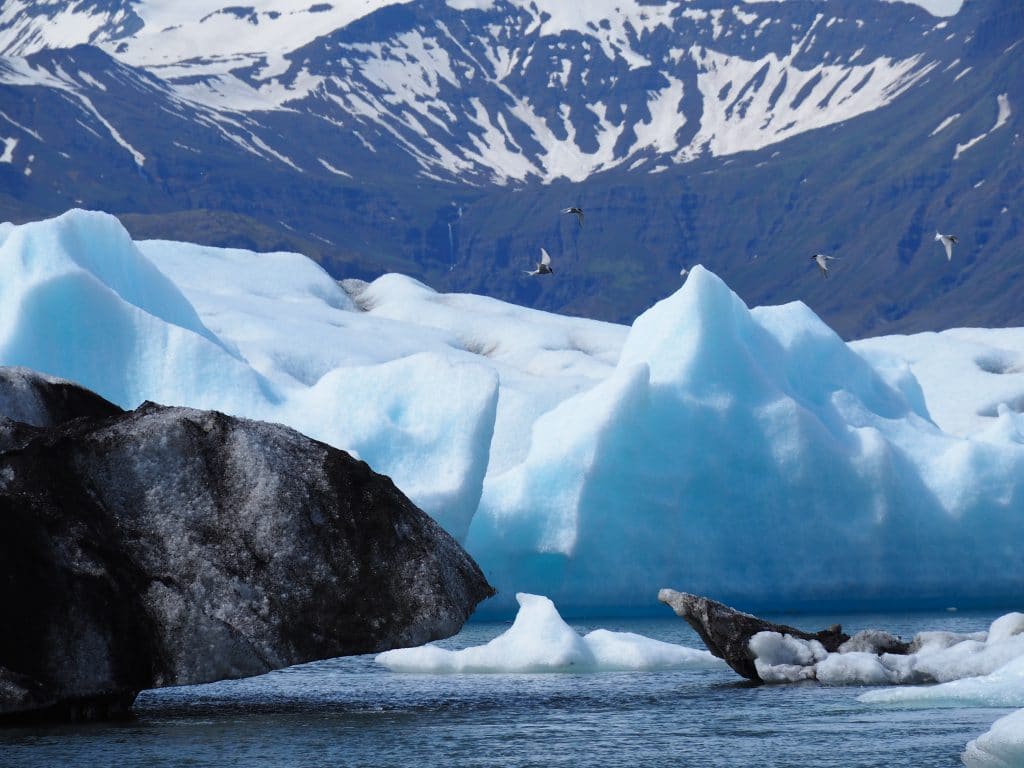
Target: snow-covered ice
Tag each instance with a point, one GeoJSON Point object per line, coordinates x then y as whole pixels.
{"type": "Point", "coordinates": [748, 454]}
{"type": "Point", "coordinates": [539, 640]}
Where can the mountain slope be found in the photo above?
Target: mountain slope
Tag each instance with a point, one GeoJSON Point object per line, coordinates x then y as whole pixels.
{"type": "Point", "coordinates": [441, 139]}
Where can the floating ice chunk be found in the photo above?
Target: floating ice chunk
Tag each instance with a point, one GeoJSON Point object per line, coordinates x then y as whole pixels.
{"type": "Point", "coordinates": [1001, 747]}
{"type": "Point", "coordinates": [936, 657]}
{"type": "Point", "coordinates": [539, 640]}
{"type": "Point", "coordinates": [855, 668]}
{"type": "Point", "coordinates": [776, 648]}
{"type": "Point", "coordinates": [1004, 687]}
{"type": "Point", "coordinates": [782, 658]}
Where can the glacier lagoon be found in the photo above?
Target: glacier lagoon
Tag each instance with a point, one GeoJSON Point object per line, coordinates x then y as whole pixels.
{"type": "Point", "coordinates": [749, 454]}
{"type": "Point", "coordinates": [355, 712]}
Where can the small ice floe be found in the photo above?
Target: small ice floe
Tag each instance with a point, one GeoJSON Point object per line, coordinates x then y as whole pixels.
{"type": "Point", "coordinates": [539, 640]}
{"type": "Point", "coordinates": [933, 657]}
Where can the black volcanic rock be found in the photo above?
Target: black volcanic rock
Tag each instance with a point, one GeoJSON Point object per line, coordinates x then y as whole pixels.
{"type": "Point", "coordinates": [45, 401]}
{"type": "Point", "coordinates": [726, 632]}
{"type": "Point", "coordinates": [171, 546]}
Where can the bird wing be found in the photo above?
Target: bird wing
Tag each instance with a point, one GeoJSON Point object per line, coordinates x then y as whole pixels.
{"type": "Point", "coordinates": [579, 215]}
{"type": "Point", "coordinates": [947, 243]}
{"type": "Point", "coordinates": [545, 258]}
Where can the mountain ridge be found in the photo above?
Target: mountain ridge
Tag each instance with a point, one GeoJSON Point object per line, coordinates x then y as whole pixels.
{"type": "Point", "coordinates": [442, 143]}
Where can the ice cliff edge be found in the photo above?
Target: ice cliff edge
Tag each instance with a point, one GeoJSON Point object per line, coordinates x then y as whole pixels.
{"type": "Point", "coordinates": [170, 546]}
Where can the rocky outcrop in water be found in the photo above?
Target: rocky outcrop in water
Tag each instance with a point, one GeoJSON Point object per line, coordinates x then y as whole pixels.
{"type": "Point", "coordinates": [171, 546]}
{"type": "Point", "coordinates": [726, 632]}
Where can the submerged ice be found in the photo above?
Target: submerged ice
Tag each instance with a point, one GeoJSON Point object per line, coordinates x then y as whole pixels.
{"type": "Point", "coordinates": [539, 640]}
{"type": "Point", "coordinates": [751, 455]}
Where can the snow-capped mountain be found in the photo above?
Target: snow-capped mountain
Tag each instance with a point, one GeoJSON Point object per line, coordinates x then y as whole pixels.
{"type": "Point", "coordinates": [401, 135]}
{"type": "Point", "coordinates": [507, 90]}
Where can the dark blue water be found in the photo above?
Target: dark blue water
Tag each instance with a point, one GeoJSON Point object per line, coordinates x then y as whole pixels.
{"type": "Point", "coordinates": [352, 712]}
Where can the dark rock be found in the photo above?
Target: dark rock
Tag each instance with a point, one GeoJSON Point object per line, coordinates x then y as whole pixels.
{"type": "Point", "coordinates": [29, 399]}
{"type": "Point", "coordinates": [45, 401]}
{"type": "Point", "coordinates": [171, 546]}
{"type": "Point", "coordinates": [726, 632]}
{"type": "Point", "coordinates": [875, 641]}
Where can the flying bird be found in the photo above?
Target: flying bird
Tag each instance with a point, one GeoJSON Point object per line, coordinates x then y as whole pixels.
{"type": "Point", "coordinates": [577, 211]}
{"type": "Point", "coordinates": [822, 261]}
{"type": "Point", "coordinates": [948, 241]}
{"type": "Point", "coordinates": [684, 272]}
{"type": "Point", "coordinates": [543, 266]}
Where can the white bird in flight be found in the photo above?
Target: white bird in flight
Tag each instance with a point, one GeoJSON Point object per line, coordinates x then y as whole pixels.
{"type": "Point", "coordinates": [948, 241]}
{"type": "Point", "coordinates": [543, 266]}
{"type": "Point", "coordinates": [822, 261]}
{"type": "Point", "coordinates": [577, 211]}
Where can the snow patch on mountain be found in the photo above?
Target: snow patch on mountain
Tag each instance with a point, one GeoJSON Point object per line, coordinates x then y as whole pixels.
{"type": "Point", "coordinates": [1002, 116]}
{"type": "Point", "coordinates": [10, 143]}
{"type": "Point", "coordinates": [944, 124]}
{"type": "Point", "coordinates": [18, 71]}
{"type": "Point", "coordinates": [750, 104]}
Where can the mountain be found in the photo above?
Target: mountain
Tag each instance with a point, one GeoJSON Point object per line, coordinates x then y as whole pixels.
{"type": "Point", "coordinates": [442, 139]}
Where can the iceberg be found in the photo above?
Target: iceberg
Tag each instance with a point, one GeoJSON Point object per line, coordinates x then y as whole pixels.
{"type": "Point", "coordinates": [748, 454]}
{"type": "Point", "coordinates": [754, 456]}
{"type": "Point", "coordinates": [539, 640]}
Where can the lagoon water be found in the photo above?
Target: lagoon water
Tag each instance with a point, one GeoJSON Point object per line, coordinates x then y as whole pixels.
{"type": "Point", "coordinates": [354, 712]}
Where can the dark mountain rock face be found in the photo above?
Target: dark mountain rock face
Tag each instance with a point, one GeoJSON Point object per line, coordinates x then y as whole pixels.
{"type": "Point", "coordinates": [170, 546]}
